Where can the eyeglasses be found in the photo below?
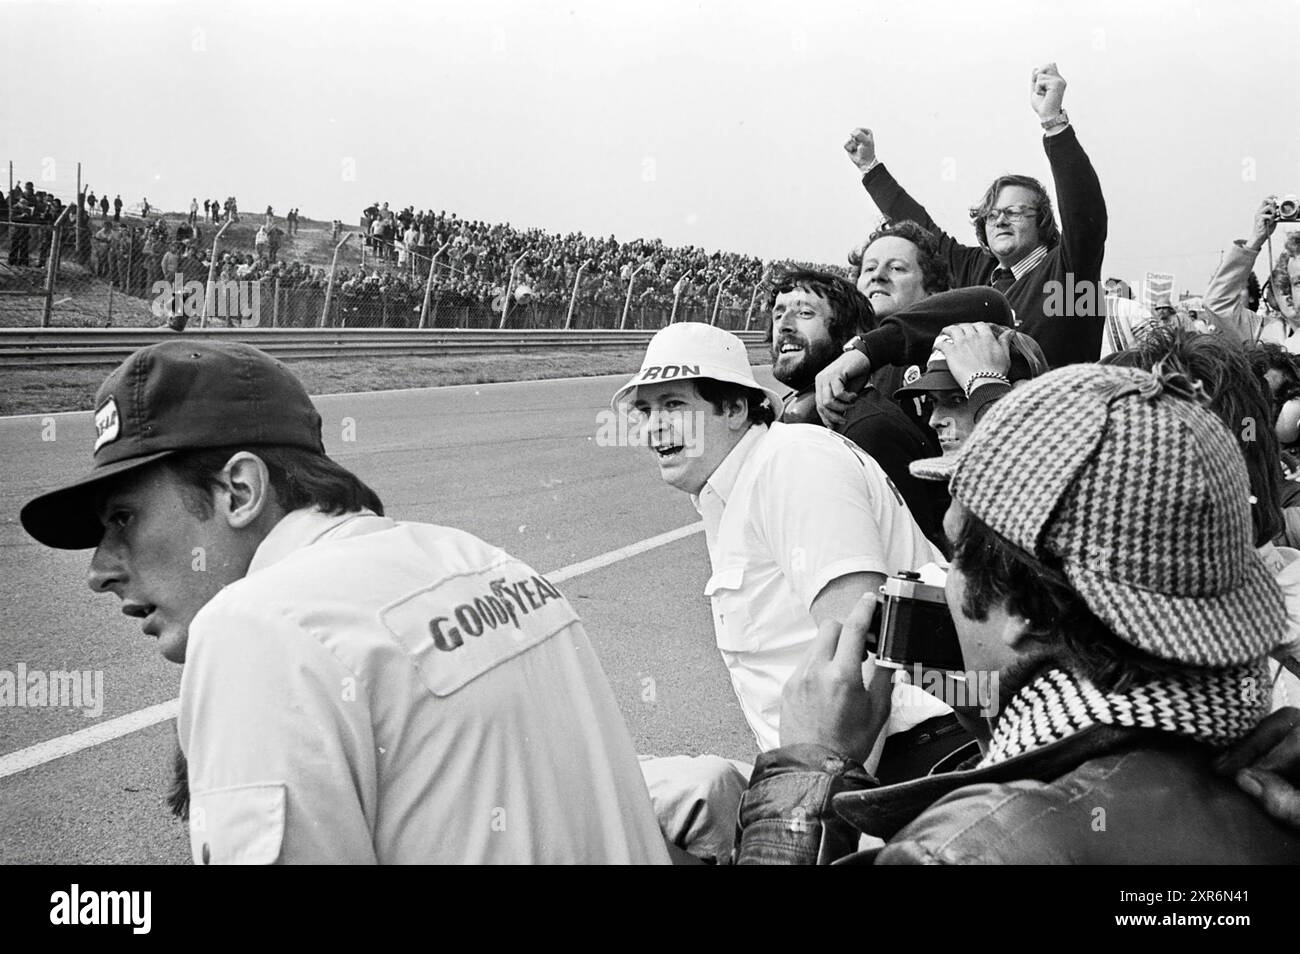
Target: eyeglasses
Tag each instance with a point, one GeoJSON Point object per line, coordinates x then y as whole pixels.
{"type": "Point", "coordinates": [1013, 212]}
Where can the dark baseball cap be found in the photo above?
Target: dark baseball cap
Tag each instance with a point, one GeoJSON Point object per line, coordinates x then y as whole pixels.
{"type": "Point", "coordinates": [1027, 362]}
{"type": "Point", "coordinates": [171, 397]}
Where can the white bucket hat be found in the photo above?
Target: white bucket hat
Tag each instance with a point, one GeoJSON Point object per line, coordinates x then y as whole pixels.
{"type": "Point", "coordinates": [692, 349]}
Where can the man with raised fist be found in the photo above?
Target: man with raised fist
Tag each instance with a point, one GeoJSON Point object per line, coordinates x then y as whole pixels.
{"type": "Point", "coordinates": [1044, 271]}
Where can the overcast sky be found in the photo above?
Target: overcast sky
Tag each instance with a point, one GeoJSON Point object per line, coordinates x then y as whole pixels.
{"type": "Point", "coordinates": [713, 123]}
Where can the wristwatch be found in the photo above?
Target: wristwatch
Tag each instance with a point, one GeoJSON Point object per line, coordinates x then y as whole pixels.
{"type": "Point", "coordinates": [1060, 119]}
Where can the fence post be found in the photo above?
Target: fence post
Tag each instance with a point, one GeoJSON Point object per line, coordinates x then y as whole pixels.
{"type": "Point", "coordinates": [505, 305]}
{"type": "Point", "coordinates": [749, 315]}
{"type": "Point", "coordinates": [130, 260]}
{"type": "Point", "coordinates": [275, 304]}
{"type": "Point", "coordinates": [57, 249]}
{"type": "Point", "coordinates": [573, 298]}
{"type": "Point", "coordinates": [52, 267]}
{"type": "Point", "coordinates": [428, 286]}
{"type": "Point", "coordinates": [681, 286]}
{"type": "Point", "coordinates": [329, 288]}
{"type": "Point", "coordinates": [717, 301]}
{"type": "Point", "coordinates": [212, 274]}
{"type": "Point", "coordinates": [627, 302]}
{"type": "Point", "coordinates": [77, 220]}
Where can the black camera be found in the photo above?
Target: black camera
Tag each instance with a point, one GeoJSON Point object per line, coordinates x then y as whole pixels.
{"type": "Point", "coordinates": [1288, 209]}
{"type": "Point", "coordinates": [912, 625]}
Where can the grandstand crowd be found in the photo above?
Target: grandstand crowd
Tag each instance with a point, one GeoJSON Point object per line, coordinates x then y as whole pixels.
{"type": "Point", "coordinates": [481, 256]}
{"type": "Point", "coordinates": [475, 267]}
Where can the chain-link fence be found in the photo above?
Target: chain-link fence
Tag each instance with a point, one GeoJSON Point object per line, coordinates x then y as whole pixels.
{"type": "Point", "coordinates": [395, 280]}
{"type": "Point", "coordinates": [56, 274]}
{"type": "Point", "coordinates": [88, 269]}
{"type": "Point", "coordinates": [115, 273]}
{"type": "Point", "coordinates": [387, 307]}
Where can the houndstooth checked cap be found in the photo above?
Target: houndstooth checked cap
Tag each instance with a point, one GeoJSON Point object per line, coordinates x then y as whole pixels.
{"type": "Point", "coordinates": [1142, 496]}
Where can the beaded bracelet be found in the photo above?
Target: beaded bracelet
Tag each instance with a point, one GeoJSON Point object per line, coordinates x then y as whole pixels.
{"type": "Point", "coordinates": [985, 376]}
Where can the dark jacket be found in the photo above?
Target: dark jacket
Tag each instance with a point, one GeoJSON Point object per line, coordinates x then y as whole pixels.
{"type": "Point", "coordinates": [1105, 795]}
{"type": "Point", "coordinates": [1067, 339]}
{"type": "Point", "coordinates": [877, 425]}
{"type": "Point", "coordinates": [907, 337]}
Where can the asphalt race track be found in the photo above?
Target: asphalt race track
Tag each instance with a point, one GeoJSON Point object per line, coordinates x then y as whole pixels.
{"type": "Point", "coordinates": [517, 464]}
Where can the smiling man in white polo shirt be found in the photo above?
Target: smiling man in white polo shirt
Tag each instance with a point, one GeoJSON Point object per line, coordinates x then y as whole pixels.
{"type": "Point", "coordinates": [800, 523]}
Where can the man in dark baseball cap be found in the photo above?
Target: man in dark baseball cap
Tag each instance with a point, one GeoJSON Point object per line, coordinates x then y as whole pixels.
{"type": "Point", "coordinates": [336, 661]}
{"type": "Point", "coordinates": [972, 366]}
{"type": "Point", "coordinates": [172, 397]}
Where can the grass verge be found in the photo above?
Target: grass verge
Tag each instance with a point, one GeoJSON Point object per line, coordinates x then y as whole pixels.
{"type": "Point", "coordinates": [73, 389]}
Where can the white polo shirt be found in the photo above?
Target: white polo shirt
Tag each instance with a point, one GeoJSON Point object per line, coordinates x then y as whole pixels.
{"type": "Point", "coordinates": [375, 691]}
{"type": "Point", "coordinates": [792, 508]}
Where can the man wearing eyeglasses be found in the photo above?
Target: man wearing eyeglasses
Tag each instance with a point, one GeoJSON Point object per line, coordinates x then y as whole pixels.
{"type": "Point", "coordinates": [1048, 274]}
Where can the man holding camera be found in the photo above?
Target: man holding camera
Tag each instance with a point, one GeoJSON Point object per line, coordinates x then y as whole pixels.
{"type": "Point", "coordinates": [1225, 295]}
{"type": "Point", "coordinates": [1130, 640]}
{"type": "Point", "coordinates": [1021, 252]}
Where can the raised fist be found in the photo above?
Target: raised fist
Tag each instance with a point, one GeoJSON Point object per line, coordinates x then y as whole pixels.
{"type": "Point", "coordinates": [861, 148]}
{"type": "Point", "coordinates": [1046, 90]}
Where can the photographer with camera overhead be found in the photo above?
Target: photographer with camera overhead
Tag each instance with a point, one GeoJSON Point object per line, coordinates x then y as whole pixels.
{"type": "Point", "coordinates": [1226, 294]}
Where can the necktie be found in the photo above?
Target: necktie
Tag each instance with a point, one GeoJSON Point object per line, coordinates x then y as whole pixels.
{"type": "Point", "coordinates": [1003, 279]}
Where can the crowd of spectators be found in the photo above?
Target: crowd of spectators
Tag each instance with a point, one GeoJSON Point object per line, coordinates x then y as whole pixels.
{"type": "Point", "coordinates": [1110, 497]}
{"type": "Point", "coordinates": [479, 257]}
{"type": "Point", "coordinates": [473, 271]}
{"type": "Point", "coordinates": [31, 213]}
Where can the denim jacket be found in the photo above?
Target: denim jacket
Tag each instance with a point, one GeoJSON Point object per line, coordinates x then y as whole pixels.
{"type": "Point", "coordinates": [786, 815]}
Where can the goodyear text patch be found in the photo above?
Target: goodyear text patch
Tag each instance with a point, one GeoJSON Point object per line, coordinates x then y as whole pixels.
{"type": "Point", "coordinates": [458, 629]}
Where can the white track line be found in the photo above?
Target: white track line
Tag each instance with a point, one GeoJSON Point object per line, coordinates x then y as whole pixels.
{"type": "Point", "coordinates": [623, 553]}
{"type": "Point", "coordinates": [57, 748]}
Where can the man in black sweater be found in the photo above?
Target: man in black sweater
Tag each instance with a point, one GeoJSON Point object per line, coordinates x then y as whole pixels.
{"type": "Point", "coordinates": [1043, 271]}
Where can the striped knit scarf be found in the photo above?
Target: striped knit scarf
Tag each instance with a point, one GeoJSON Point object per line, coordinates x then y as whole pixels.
{"type": "Point", "coordinates": [1214, 706]}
